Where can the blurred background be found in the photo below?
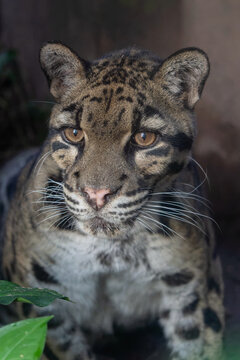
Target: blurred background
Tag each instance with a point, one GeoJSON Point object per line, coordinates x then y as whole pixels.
{"type": "Point", "coordinates": [94, 27]}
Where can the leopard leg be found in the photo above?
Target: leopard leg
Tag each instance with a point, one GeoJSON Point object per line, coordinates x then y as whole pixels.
{"type": "Point", "coordinates": [192, 325]}
{"type": "Point", "coordinates": [66, 343]}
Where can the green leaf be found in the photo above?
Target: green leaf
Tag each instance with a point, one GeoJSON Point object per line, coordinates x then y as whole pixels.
{"type": "Point", "coordinates": [23, 340]}
{"type": "Point", "coordinates": [40, 297]}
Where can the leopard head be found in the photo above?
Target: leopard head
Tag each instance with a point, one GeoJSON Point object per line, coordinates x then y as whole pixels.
{"type": "Point", "coordinates": [122, 127]}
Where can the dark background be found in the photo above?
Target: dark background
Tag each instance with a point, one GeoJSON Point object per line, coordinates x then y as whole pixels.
{"type": "Point", "coordinates": [94, 27]}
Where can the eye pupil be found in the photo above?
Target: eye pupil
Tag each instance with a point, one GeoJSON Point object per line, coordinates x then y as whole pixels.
{"type": "Point", "coordinates": [75, 132]}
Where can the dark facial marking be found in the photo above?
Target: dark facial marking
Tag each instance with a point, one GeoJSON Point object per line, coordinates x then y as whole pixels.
{"type": "Point", "coordinates": [97, 99]}
{"type": "Point", "coordinates": [119, 90]}
{"type": "Point", "coordinates": [179, 141]}
{"type": "Point", "coordinates": [90, 117]}
{"type": "Point", "coordinates": [68, 187]}
{"type": "Point", "coordinates": [85, 97]}
{"type": "Point", "coordinates": [79, 116]}
{"type": "Point", "coordinates": [57, 145]}
{"type": "Point", "coordinates": [161, 151]}
{"type": "Point", "coordinates": [132, 83]}
{"type": "Point", "coordinates": [41, 274]}
{"type": "Point", "coordinates": [134, 192]}
{"type": "Point", "coordinates": [123, 177]}
{"type": "Point", "coordinates": [109, 100]}
{"type": "Point", "coordinates": [125, 98]}
{"type": "Point", "coordinates": [121, 114]}
{"type": "Point", "coordinates": [192, 307]}
{"type": "Point", "coordinates": [133, 203]}
{"type": "Point", "coordinates": [73, 201]}
{"type": "Point", "coordinates": [174, 168]}
{"type": "Point", "coordinates": [136, 120]}
{"type": "Point", "coordinates": [61, 157]}
{"type": "Point", "coordinates": [149, 111]}
{"type": "Point", "coordinates": [76, 174]}
{"type": "Point", "coordinates": [188, 334]}
{"type": "Point", "coordinates": [70, 108]}
{"type": "Point", "coordinates": [178, 279]}
{"type": "Point", "coordinates": [212, 320]}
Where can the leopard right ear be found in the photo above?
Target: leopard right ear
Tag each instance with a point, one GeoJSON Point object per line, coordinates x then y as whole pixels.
{"type": "Point", "coordinates": [63, 68]}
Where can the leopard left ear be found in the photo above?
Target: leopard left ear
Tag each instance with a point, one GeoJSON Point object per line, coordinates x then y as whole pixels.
{"type": "Point", "coordinates": [183, 75]}
{"type": "Point", "coordinates": [63, 68]}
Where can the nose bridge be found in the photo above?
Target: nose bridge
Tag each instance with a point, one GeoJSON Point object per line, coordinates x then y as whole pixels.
{"type": "Point", "coordinates": [102, 167]}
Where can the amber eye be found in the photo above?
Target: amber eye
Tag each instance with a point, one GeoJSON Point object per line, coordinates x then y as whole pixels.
{"type": "Point", "coordinates": [144, 138]}
{"type": "Point", "coordinates": [73, 135]}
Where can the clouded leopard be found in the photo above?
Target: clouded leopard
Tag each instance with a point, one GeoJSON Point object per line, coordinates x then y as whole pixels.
{"type": "Point", "coordinates": [109, 211]}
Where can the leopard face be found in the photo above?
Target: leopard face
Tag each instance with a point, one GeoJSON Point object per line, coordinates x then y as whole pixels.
{"type": "Point", "coordinates": [122, 128]}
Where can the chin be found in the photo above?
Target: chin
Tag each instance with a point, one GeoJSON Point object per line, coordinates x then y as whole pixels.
{"type": "Point", "coordinates": [102, 228]}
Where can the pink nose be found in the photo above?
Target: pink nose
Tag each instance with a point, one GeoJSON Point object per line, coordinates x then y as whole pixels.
{"type": "Point", "coordinates": [97, 198]}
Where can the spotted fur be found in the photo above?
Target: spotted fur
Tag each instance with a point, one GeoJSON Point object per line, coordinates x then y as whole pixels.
{"type": "Point", "coordinates": [149, 252]}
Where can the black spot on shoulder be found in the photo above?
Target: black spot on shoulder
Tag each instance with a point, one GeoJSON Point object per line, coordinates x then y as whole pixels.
{"type": "Point", "coordinates": [55, 322]}
{"type": "Point", "coordinates": [164, 314]}
{"type": "Point", "coordinates": [41, 274]}
{"type": "Point", "coordinates": [212, 320]}
{"type": "Point", "coordinates": [57, 145]}
{"type": "Point", "coordinates": [192, 307]}
{"type": "Point", "coordinates": [188, 334]}
{"type": "Point", "coordinates": [178, 279]}
{"type": "Point", "coordinates": [214, 286]}
{"type": "Point", "coordinates": [104, 258]}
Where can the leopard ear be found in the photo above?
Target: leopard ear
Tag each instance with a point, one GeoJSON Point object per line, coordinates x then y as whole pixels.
{"type": "Point", "coordinates": [62, 67]}
{"type": "Point", "coordinates": [183, 75]}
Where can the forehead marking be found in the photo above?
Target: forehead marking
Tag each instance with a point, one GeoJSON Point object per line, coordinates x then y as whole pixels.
{"type": "Point", "coordinates": [79, 116]}
{"type": "Point", "coordinates": [109, 100]}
